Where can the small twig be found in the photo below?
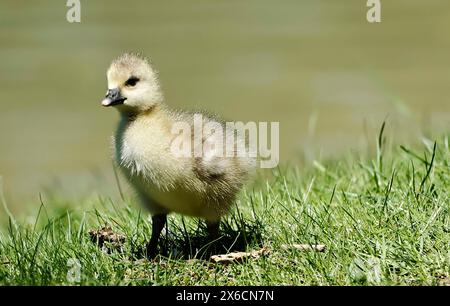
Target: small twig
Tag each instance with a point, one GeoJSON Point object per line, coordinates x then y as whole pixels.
{"type": "Point", "coordinates": [305, 247]}
{"type": "Point", "coordinates": [240, 256]}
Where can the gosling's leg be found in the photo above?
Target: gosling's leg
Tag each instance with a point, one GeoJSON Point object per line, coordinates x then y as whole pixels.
{"type": "Point", "coordinates": [213, 229]}
{"type": "Point", "coordinates": [158, 223]}
{"type": "Point", "coordinates": [213, 236]}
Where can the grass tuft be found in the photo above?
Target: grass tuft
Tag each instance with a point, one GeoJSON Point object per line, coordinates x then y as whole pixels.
{"type": "Point", "coordinates": [384, 221]}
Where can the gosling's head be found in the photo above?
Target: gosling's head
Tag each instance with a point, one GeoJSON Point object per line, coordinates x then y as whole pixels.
{"type": "Point", "coordinates": [133, 85]}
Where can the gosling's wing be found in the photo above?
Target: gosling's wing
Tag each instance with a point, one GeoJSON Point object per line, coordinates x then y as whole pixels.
{"type": "Point", "coordinates": [212, 161]}
{"type": "Point", "coordinates": [219, 146]}
{"type": "Point", "coordinates": [221, 156]}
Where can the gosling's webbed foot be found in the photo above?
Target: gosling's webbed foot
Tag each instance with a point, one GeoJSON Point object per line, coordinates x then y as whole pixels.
{"type": "Point", "coordinates": [151, 250]}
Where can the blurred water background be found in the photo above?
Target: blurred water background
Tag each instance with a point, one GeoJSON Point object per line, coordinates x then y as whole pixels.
{"type": "Point", "coordinates": [317, 66]}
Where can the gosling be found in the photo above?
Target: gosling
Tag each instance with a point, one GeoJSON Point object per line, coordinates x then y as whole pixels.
{"type": "Point", "coordinates": [204, 187]}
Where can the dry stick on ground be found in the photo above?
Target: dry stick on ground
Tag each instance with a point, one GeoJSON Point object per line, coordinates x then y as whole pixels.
{"type": "Point", "coordinates": [443, 280]}
{"type": "Point", "coordinates": [240, 256]}
{"type": "Point", "coordinates": [305, 247]}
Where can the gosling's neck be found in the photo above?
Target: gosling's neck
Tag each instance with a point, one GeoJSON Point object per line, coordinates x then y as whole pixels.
{"type": "Point", "coordinates": [130, 114]}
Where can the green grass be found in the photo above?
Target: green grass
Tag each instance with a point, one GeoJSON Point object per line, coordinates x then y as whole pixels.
{"type": "Point", "coordinates": [385, 220]}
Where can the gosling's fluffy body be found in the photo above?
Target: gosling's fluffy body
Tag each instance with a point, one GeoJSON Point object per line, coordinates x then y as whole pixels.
{"type": "Point", "coordinates": [203, 187]}
{"type": "Point", "coordinates": [198, 187]}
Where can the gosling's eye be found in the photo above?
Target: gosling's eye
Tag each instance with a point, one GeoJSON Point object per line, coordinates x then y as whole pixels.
{"type": "Point", "coordinates": [132, 81]}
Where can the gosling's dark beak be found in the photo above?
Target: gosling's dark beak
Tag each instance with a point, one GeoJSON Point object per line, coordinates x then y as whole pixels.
{"type": "Point", "coordinates": [113, 97]}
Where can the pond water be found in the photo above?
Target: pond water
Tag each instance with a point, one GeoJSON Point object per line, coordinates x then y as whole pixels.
{"type": "Point", "coordinates": [318, 67]}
